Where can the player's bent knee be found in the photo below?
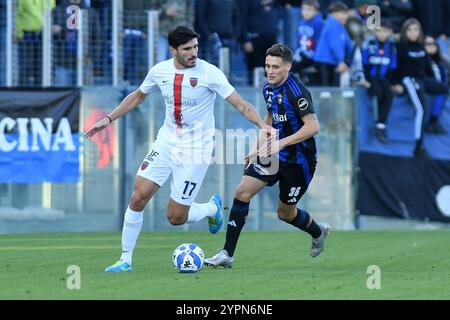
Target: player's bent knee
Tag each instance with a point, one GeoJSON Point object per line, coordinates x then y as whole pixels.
{"type": "Point", "coordinates": [176, 218]}
{"type": "Point", "coordinates": [285, 215]}
{"type": "Point", "coordinates": [242, 194]}
{"type": "Point", "coordinates": [138, 200]}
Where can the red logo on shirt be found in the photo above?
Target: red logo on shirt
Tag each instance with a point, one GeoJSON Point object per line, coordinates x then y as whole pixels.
{"type": "Point", "coordinates": [144, 165]}
{"type": "Point", "coordinates": [193, 81]}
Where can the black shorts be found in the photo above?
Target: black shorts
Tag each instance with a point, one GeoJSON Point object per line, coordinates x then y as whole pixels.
{"type": "Point", "coordinates": [294, 179]}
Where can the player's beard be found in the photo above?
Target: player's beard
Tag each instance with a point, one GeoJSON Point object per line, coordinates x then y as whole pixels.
{"type": "Point", "coordinates": [187, 63]}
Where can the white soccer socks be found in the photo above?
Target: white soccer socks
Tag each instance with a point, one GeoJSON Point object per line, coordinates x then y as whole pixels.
{"type": "Point", "coordinates": [199, 211]}
{"type": "Point", "coordinates": [131, 228]}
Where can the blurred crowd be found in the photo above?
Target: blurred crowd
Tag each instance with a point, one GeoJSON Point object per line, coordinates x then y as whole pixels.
{"type": "Point", "coordinates": [325, 35]}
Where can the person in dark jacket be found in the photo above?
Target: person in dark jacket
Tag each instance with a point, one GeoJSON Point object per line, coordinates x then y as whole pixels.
{"type": "Point", "coordinates": [219, 24]}
{"type": "Point", "coordinates": [440, 74]}
{"type": "Point", "coordinates": [260, 26]}
{"type": "Point", "coordinates": [290, 13]}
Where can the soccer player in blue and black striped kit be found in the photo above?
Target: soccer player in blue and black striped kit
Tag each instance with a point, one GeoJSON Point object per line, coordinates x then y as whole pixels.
{"type": "Point", "coordinates": [290, 111]}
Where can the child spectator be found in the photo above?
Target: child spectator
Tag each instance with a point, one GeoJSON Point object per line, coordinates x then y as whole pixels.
{"type": "Point", "coordinates": [379, 58]}
{"type": "Point", "coordinates": [308, 33]}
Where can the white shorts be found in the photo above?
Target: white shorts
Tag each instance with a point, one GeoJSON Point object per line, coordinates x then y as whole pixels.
{"type": "Point", "coordinates": [188, 167]}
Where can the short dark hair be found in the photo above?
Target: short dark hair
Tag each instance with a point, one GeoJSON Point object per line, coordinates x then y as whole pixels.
{"type": "Point", "coordinates": [386, 23]}
{"type": "Point", "coordinates": [180, 35]}
{"type": "Point", "coordinates": [312, 3]}
{"type": "Point", "coordinates": [337, 7]}
{"type": "Point", "coordinates": [282, 51]}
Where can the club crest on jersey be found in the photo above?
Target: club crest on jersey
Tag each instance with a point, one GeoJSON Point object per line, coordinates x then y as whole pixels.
{"type": "Point", "coordinates": [279, 98]}
{"type": "Point", "coordinates": [144, 165]}
{"type": "Point", "coordinates": [193, 82]}
{"type": "Point", "coordinates": [303, 104]}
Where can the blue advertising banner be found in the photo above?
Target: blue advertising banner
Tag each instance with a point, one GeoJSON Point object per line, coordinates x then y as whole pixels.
{"type": "Point", "coordinates": [39, 138]}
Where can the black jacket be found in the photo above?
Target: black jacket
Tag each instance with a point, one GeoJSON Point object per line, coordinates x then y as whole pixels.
{"type": "Point", "coordinates": [412, 61]}
{"type": "Point", "coordinates": [221, 16]}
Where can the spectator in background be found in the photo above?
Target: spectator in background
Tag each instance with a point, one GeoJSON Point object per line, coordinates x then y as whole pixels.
{"type": "Point", "coordinates": [65, 43]}
{"type": "Point", "coordinates": [260, 25]}
{"type": "Point", "coordinates": [135, 48]}
{"type": "Point", "coordinates": [335, 47]}
{"type": "Point", "coordinates": [309, 30]}
{"type": "Point", "coordinates": [324, 4]}
{"type": "Point", "coordinates": [397, 11]}
{"type": "Point", "coordinates": [172, 13]}
{"type": "Point", "coordinates": [290, 13]}
{"type": "Point", "coordinates": [411, 75]}
{"type": "Point", "coordinates": [29, 26]}
{"type": "Point", "coordinates": [219, 24]}
{"type": "Point", "coordinates": [359, 15]}
{"type": "Point", "coordinates": [102, 46]}
{"type": "Point", "coordinates": [440, 75]}
{"type": "Point", "coordinates": [379, 58]}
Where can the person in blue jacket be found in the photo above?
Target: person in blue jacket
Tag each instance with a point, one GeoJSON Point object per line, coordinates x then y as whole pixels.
{"type": "Point", "coordinates": [309, 30]}
{"type": "Point", "coordinates": [335, 46]}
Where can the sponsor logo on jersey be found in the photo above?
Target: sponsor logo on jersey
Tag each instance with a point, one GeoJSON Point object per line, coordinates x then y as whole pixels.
{"type": "Point", "coordinates": [279, 98]}
{"type": "Point", "coordinates": [379, 60]}
{"type": "Point", "coordinates": [279, 117]}
{"type": "Point", "coordinates": [303, 104]}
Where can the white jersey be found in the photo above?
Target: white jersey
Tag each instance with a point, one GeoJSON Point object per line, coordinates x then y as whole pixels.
{"type": "Point", "coordinates": [189, 95]}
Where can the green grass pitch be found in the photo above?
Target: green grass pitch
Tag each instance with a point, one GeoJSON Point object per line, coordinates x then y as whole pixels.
{"type": "Point", "coordinates": [268, 266]}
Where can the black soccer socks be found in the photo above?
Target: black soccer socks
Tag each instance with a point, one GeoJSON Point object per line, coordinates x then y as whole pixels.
{"type": "Point", "coordinates": [238, 215]}
{"type": "Point", "coordinates": [301, 221]}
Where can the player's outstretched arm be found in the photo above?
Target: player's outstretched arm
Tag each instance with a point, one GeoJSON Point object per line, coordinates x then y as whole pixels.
{"type": "Point", "coordinates": [248, 111]}
{"type": "Point", "coordinates": [129, 103]}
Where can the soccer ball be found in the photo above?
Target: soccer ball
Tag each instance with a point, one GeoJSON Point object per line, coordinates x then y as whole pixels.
{"type": "Point", "coordinates": [188, 258]}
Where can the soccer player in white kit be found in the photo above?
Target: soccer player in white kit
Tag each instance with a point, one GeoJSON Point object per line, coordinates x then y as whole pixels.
{"type": "Point", "coordinates": [184, 143]}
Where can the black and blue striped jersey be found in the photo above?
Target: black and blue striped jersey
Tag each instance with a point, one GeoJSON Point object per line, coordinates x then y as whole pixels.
{"type": "Point", "coordinates": [379, 59]}
{"type": "Point", "coordinates": [288, 104]}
